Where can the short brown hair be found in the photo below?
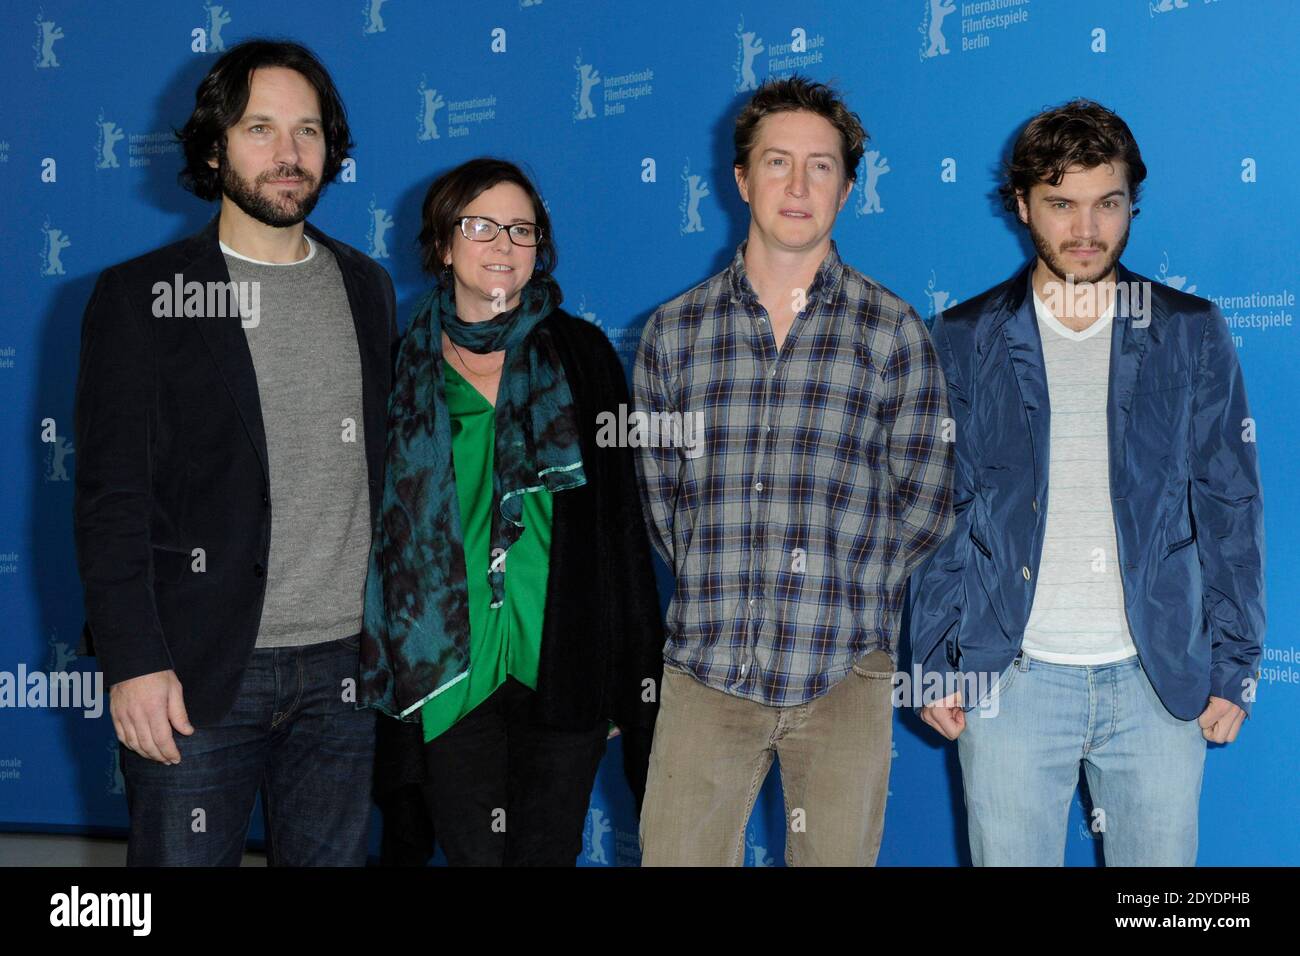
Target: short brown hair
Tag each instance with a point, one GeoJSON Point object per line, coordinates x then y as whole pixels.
{"type": "Point", "coordinates": [1079, 133]}
{"type": "Point", "coordinates": [450, 193]}
{"type": "Point", "coordinates": [801, 93]}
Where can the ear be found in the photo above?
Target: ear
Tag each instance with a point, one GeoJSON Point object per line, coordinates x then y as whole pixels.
{"type": "Point", "coordinates": [1022, 208]}
{"type": "Point", "coordinates": [848, 189]}
{"type": "Point", "coordinates": [741, 182]}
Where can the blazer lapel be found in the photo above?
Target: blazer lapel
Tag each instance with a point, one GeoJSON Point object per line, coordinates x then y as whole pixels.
{"type": "Point", "coordinates": [227, 342]}
{"type": "Point", "coordinates": [1019, 328]}
{"type": "Point", "coordinates": [1128, 342]}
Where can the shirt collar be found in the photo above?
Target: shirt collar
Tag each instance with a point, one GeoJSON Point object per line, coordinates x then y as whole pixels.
{"type": "Point", "coordinates": [827, 280]}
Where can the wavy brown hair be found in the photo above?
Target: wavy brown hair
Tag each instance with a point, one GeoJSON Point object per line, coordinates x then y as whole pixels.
{"type": "Point", "coordinates": [1079, 133]}
{"type": "Point", "coordinates": [222, 97]}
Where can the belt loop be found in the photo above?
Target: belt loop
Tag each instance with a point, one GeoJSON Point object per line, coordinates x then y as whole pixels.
{"type": "Point", "coordinates": [1022, 662]}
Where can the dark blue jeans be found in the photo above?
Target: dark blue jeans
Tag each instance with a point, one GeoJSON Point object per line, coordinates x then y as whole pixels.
{"type": "Point", "coordinates": [291, 735]}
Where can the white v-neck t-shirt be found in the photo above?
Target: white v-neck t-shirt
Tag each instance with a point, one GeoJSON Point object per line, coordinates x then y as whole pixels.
{"type": "Point", "coordinates": [1078, 612]}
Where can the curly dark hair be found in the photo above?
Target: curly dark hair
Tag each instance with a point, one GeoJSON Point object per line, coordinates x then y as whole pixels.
{"type": "Point", "coordinates": [800, 93]}
{"type": "Point", "coordinates": [450, 193]}
{"type": "Point", "coordinates": [1078, 133]}
{"type": "Point", "coordinates": [222, 97]}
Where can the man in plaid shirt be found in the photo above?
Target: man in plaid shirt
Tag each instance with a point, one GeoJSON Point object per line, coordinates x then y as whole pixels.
{"type": "Point", "coordinates": [819, 478]}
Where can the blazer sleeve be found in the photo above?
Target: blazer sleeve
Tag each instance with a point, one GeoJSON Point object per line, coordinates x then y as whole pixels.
{"type": "Point", "coordinates": [636, 617]}
{"type": "Point", "coordinates": [1228, 508]}
{"type": "Point", "coordinates": [639, 618]}
{"type": "Point", "coordinates": [390, 306]}
{"type": "Point", "coordinates": [114, 423]}
{"type": "Point", "coordinates": [938, 586]}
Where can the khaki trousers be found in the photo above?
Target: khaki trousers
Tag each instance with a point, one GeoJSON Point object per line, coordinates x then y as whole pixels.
{"type": "Point", "coordinates": [712, 751]}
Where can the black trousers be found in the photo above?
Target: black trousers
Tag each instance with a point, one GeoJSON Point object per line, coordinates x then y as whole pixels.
{"type": "Point", "coordinates": [503, 791]}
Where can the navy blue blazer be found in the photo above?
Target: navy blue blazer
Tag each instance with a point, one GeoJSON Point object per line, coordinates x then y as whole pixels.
{"type": "Point", "coordinates": [1184, 484]}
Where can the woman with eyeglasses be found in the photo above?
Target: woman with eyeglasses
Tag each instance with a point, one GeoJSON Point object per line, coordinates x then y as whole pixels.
{"type": "Point", "coordinates": [511, 610]}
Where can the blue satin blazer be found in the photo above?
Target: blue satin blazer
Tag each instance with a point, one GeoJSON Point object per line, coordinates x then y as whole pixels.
{"type": "Point", "coordinates": [1184, 484]}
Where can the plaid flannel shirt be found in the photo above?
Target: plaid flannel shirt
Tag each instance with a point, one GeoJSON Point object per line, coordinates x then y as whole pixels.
{"type": "Point", "coordinates": [820, 481]}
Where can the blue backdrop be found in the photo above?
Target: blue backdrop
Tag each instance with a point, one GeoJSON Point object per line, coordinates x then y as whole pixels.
{"type": "Point", "coordinates": [623, 112]}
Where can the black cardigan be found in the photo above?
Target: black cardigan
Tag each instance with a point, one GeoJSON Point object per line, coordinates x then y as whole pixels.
{"type": "Point", "coordinates": [603, 633]}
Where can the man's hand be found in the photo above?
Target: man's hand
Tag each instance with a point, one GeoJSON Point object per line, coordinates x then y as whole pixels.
{"type": "Point", "coordinates": [144, 711]}
{"type": "Point", "coordinates": [947, 717]}
{"type": "Point", "coordinates": [1221, 721]}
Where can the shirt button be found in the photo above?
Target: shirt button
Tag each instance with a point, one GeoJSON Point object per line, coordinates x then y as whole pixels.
{"type": "Point", "coordinates": [766, 429]}
{"type": "Point", "coordinates": [751, 602]}
{"type": "Point", "coordinates": [1025, 572]}
{"type": "Point", "coordinates": [1035, 504]}
{"type": "Point", "coordinates": [758, 486]}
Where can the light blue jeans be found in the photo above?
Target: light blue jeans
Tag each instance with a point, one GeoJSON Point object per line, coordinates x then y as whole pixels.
{"type": "Point", "coordinates": [1020, 767]}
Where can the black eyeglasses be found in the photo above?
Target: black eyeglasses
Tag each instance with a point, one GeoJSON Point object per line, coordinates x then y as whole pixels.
{"type": "Point", "coordinates": [482, 229]}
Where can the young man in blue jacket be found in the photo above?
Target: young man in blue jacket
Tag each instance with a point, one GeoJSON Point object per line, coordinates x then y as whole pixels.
{"type": "Point", "coordinates": [1107, 569]}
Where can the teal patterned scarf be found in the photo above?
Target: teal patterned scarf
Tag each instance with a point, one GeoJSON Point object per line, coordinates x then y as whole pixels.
{"type": "Point", "coordinates": [415, 641]}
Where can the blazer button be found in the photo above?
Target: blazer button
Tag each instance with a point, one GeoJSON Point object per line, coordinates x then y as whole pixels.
{"type": "Point", "coordinates": [266, 499]}
{"type": "Point", "coordinates": [258, 570]}
{"type": "Point", "coordinates": [1025, 572]}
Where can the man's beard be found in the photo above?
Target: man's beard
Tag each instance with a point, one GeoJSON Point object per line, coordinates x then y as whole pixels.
{"type": "Point", "coordinates": [282, 213]}
{"type": "Point", "coordinates": [1055, 261]}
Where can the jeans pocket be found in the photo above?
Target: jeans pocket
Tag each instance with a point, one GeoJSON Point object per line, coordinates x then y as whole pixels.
{"type": "Point", "coordinates": [1008, 678]}
{"type": "Point", "coordinates": [987, 695]}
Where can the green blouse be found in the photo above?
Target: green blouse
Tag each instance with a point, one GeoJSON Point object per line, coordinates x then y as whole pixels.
{"type": "Point", "coordinates": [505, 641]}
